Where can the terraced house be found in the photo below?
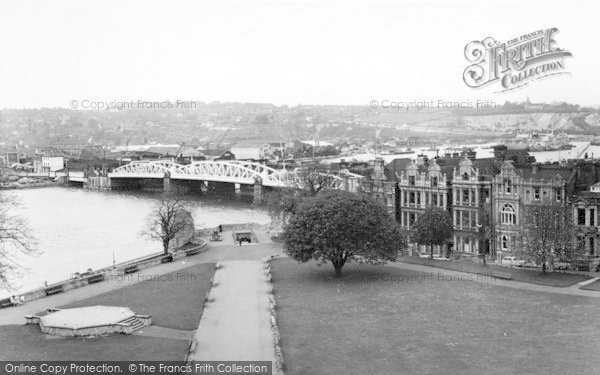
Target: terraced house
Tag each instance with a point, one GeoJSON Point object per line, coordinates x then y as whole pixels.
{"type": "Point", "coordinates": [487, 200]}
{"type": "Point", "coordinates": [516, 189]}
{"type": "Point", "coordinates": [421, 185]}
{"type": "Point", "coordinates": [471, 208]}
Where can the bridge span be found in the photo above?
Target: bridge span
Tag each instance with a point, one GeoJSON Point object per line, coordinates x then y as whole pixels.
{"type": "Point", "coordinates": [235, 172]}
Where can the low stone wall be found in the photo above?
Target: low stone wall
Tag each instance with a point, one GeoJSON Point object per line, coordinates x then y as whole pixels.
{"type": "Point", "coordinates": [279, 364]}
{"type": "Point", "coordinates": [87, 331]}
{"type": "Point", "coordinates": [231, 227]}
{"type": "Point", "coordinates": [112, 272]}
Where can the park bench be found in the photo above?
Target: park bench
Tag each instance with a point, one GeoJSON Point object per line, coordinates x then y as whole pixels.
{"type": "Point", "coordinates": [166, 259]}
{"type": "Point", "coordinates": [501, 275]}
{"type": "Point", "coordinates": [131, 269]}
{"type": "Point", "coordinates": [193, 251]}
{"type": "Point", "coordinates": [54, 290]}
{"type": "Point", "coordinates": [6, 303]}
{"type": "Point", "coordinates": [32, 319]}
{"type": "Point", "coordinates": [95, 278]}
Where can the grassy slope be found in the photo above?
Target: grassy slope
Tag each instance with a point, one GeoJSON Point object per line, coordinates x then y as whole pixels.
{"type": "Point", "coordinates": [363, 324]}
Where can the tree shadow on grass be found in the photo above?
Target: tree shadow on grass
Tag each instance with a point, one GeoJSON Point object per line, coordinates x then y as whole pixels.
{"type": "Point", "coordinates": [352, 273]}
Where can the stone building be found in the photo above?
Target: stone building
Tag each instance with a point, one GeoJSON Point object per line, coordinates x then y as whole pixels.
{"type": "Point", "coordinates": [512, 191]}
{"type": "Point", "coordinates": [377, 186]}
{"type": "Point", "coordinates": [470, 209]}
{"type": "Point", "coordinates": [421, 186]}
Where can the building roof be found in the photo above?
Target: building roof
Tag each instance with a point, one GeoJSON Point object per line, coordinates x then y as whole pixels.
{"type": "Point", "coordinates": [250, 144]}
{"type": "Point", "coordinates": [546, 172]}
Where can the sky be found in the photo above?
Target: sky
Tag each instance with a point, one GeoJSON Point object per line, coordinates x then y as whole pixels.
{"type": "Point", "coordinates": [281, 52]}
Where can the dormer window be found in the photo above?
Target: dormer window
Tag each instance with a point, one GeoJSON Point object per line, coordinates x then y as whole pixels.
{"type": "Point", "coordinates": [507, 186]}
{"type": "Point", "coordinates": [411, 180]}
{"type": "Point", "coordinates": [465, 176]}
{"type": "Point", "coordinates": [434, 181]}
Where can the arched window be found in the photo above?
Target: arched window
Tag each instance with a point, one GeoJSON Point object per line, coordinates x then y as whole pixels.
{"type": "Point", "coordinates": [504, 243]}
{"type": "Point", "coordinates": [508, 215]}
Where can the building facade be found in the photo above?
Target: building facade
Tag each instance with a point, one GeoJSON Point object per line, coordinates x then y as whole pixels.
{"type": "Point", "coordinates": [471, 210]}
{"type": "Point", "coordinates": [419, 187]}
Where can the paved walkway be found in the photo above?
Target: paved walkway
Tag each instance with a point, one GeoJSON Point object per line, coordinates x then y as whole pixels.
{"type": "Point", "coordinates": [572, 290]}
{"type": "Point", "coordinates": [236, 325]}
{"type": "Point", "coordinates": [216, 252]}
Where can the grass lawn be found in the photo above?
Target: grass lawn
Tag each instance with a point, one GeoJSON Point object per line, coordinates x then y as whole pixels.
{"type": "Point", "coordinates": [27, 343]}
{"type": "Point", "coordinates": [558, 279]}
{"type": "Point", "coordinates": [386, 320]}
{"type": "Point", "coordinates": [174, 300]}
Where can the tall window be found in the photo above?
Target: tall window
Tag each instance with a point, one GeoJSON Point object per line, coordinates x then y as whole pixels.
{"type": "Point", "coordinates": [465, 196]}
{"type": "Point", "coordinates": [434, 181]}
{"type": "Point", "coordinates": [580, 216]}
{"type": "Point", "coordinates": [434, 200]}
{"type": "Point", "coordinates": [536, 193]}
{"type": "Point", "coordinates": [411, 219]}
{"type": "Point", "coordinates": [504, 243]}
{"type": "Point", "coordinates": [411, 180]}
{"type": "Point", "coordinates": [508, 215]}
{"type": "Point", "coordinates": [507, 186]}
{"type": "Point", "coordinates": [592, 217]}
{"type": "Point", "coordinates": [558, 195]}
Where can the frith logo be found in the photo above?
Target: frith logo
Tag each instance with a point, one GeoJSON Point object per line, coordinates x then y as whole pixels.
{"type": "Point", "coordinates": [515, 63]}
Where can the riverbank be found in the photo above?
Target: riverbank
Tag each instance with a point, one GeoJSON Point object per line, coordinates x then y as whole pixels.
{"type": "Point", "coordinates": [114, 272]}
{"type": "Point", "coordinates": [14, 182]}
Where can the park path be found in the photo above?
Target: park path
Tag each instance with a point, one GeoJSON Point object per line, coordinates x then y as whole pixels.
{"type": "Point", "coordinates": [235, 325]}
{"type": "Point", "coordinates": [216, 252]}
{"type": "Point", "coordinates": [572, 290]}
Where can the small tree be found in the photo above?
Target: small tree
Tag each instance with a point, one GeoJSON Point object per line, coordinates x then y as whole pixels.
{"type": "Point", "coordinates": [433, 227]}
{"type": "Point", "coordinates": [337, 226]}
{"type": "Point", "coordinates": [549, 229]}
{"type": "Point", "coordinates": [15, 237]}
{"type": "Point", "coordinates": [164, 222]}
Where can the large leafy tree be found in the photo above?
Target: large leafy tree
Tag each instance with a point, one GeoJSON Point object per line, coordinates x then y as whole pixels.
{"type": "Point", "coordinates": [303, 182]}
{"type": "Point", "coordinates": [433, 227]}
{"type": "Point", "coordinates": [339, 227]}
{"type": "Point", "coordinates": [549, 231]}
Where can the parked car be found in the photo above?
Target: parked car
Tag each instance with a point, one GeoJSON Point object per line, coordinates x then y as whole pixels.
{"type": "Point", "coordinates": [424, 256]}
{"type": "Point", "coordinates": [512, 261]}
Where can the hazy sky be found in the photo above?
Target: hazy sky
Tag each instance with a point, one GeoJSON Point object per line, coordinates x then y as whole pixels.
{"type": "Point", "coordinates": [308, 52]}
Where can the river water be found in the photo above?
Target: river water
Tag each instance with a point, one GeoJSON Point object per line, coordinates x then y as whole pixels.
{"type": "Point", "coordinates": [80, 229]}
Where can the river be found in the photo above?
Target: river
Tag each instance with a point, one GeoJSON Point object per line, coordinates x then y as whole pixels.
{"type": "Point", "coordinates": [80, 229]}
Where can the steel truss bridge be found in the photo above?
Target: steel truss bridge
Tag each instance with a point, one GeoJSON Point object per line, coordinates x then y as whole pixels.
{"type": "Point", "coordinates": [232, 171]}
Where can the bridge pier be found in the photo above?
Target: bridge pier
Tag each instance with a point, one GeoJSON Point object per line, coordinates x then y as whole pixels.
{"type": "Point", "coordinates": [258, 191]}
{"type": "Point", "coordinates": [238, 188]}
{"type": "Point", "coordinates": [167, 188]}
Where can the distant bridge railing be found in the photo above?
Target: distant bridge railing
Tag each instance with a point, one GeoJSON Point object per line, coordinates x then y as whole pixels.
{"type": "Point", "coordinates": [232, 171]}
